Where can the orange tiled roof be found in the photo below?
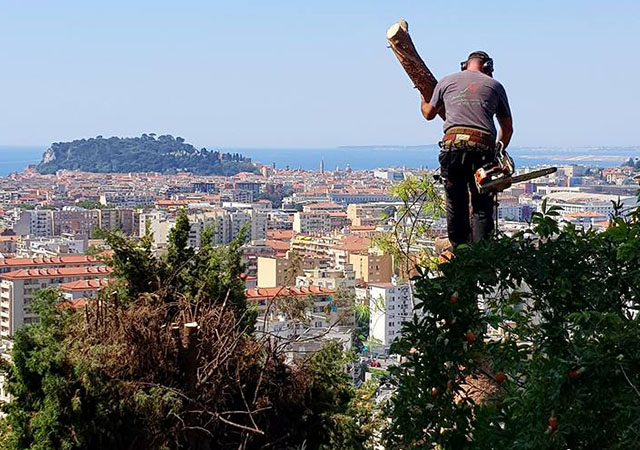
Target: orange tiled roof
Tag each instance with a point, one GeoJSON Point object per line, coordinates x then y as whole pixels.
{"type": "Point", "coordinates": [352, 243]}
{"type": "Point", "coordinates": [85, 285]}
{"type": "Point", "coordinates": [280, 235]}
{"type": "Point", "coordinates": [278, 245]}
{"type": "Point", "coordinates": [24, 274]}
{"type": "Point", "coordinates": [363, 228]}
{"type": "Point", "coordinates": [71, 259]}
{"type": "Point", "coordinates": [73, 304]}
{"type": "Point", "coordinates": [286, 291]}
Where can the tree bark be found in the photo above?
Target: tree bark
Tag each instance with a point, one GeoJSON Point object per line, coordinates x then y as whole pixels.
{"type": "Point", "coordinates": [402, 46]}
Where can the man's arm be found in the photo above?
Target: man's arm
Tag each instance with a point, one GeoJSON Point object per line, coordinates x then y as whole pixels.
{"type": "Point", "coordinates": [428, 111]}
{"type": "Point", "coordinates": [506, 130]}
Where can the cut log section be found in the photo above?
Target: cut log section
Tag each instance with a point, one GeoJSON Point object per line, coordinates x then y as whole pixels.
{"type": "Point", "coordinates": [402, 45]}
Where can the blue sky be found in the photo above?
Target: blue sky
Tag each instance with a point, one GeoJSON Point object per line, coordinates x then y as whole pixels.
{"type": "Point", "coordinates": [308, 73]}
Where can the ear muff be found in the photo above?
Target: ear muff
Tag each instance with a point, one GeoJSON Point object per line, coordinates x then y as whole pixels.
{"type": "Point", "coordinates": [487, 66]}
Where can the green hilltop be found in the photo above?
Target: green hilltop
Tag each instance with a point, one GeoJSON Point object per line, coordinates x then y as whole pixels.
{"type": "Point", "coordinates": [147, 153]}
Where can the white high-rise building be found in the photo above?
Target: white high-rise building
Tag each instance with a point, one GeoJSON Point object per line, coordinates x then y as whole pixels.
{"type": "Point", "coordinates": [390, 306]}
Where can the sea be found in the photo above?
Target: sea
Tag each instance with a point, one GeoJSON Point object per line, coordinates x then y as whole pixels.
{"type": "Point", "coordinates": [16, 159]}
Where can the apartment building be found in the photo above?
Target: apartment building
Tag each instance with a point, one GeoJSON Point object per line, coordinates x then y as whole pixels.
{"type": "Point", "coordinates": [372, 266]}
{"type": "Point", "coordinates": [83, 289]}
{"type": "Point", "coordinates": [77, 222]}
{"type": "Point", "coordinates": [126, 199]}
{"type": "Point", "coordinates": [37, 222]}
{"type": "Point", "coordinates": [276, 271]}
{"type": "Point", "coordinates": [362, 214]}
{"type": "Point", "coordinates": [321, 313]}
{"type": "Point", "coordinates": [125, 220]}
{"type": "Point", "coordinates": [390, 306]}
{"type": "Point", "coordinates": [330, 278]}
{"type": "Point", "coordinates": [49, 247]}
{"type": "Point", "coordinates": [314, 222]}
{"type": "Point", "coordinates": [14, 264]}
{"type": "Point", "coordinates": [18, 288]}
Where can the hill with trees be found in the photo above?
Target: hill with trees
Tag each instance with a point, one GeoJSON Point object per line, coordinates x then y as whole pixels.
{"type": "Point", "coordinates": [147, 153]}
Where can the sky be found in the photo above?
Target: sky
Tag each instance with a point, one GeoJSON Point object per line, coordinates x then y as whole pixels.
{"type": "Point", "coordinates": [295, 74]}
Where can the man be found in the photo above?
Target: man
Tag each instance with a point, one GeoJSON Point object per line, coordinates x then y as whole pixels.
{"type": "Point", "coordinates": [469, 99]}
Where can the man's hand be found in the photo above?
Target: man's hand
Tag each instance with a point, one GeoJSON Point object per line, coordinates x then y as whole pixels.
{"type": "Point", "coordinates": [428, 111]}
{"type": "Point", "coordinates": [506, 130]}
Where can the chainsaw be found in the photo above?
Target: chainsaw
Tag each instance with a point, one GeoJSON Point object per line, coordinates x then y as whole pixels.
{"type": "Point", "coordinates": [498, 175]}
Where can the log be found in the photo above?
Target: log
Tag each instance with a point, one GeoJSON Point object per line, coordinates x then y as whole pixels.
{"type": "Point", "coordinates": [402, 46]}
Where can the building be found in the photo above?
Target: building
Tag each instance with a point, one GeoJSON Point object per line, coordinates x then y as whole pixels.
{"type": "Point", "coordinates": [320, 313]}
{"type": "Point", "coordinates": [330, 278]}
{"type": "Point", "coordinates": [276, 271]}
{"type": "Point", "coordinates": [13, 264]}
{"type": "Point", "coordinates": [372, 266]}
{"type": "Point", "coordinates": [389, 174]}
{"type": "Point", "coordinates": [118, 219]}
{"type": "Point", "coordinates": [361, 214]}
{"type": "Point", "coordinates": [390, 305]}
{"type": "Point", "coordinates": [49, 247]}
{"type": "Point", "coordinates": [345, 197]}
{"type": "Point", "coordinates": [18, 288]}
{"type": "Point", "coordinates": [8, 244]}
{"type": "Point", "coordinates": [316, 222]}
{"type": "Point", "coordinates": [83, 289]}
{"type": "Point", "coordinates": [76, 222]}
{"type": "Point", "coordinates": [580, 202]}
{"type": "Point", "coordinates": [37, 222]}
{"type": "Point", "coordinates": [226, 223]}
{"type": "Point", "coordinates": [126, 200]}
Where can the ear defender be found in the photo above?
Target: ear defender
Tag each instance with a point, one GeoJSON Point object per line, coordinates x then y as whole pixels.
{"type": "Point", "coordinates": [487, 62]}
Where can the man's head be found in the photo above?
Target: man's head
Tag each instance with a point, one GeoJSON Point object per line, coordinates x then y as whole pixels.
{"type": "Point", "coordinates": [479, 61]}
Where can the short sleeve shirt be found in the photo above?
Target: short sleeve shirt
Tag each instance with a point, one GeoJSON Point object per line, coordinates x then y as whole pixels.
{"type": "Point", "coordinates": [471, 99]}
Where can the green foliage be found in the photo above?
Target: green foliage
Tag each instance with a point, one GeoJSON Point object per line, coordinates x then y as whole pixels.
{"type": "Point", "coordinates": [90, 204]}
{"type": "Point", "coordinates": [55, 404]}
{"type": "Point", "coordinates": [147, 153]}
{"type": "Point", "coordinates": [558, 318]}
{"type": "Point", "coordinates": [342, 416]}
{"type": "Point", "coordinates": [422, 203]}
{"type": "Point", "coordinates": [126, 374]}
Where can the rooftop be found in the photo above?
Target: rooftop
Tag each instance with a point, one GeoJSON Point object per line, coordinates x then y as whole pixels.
{"type": "Point", "coordinates": [85, 285]}
{"type": "Point", "coordinates": [286, 291]}
{"type": "Point", "coordinates": [71, 259]}
{"type": "Point", "coordinates": [24, 274]}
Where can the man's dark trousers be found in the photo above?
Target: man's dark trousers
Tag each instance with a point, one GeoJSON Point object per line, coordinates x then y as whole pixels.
{"type": "Point", "coordinates": [458, 166]}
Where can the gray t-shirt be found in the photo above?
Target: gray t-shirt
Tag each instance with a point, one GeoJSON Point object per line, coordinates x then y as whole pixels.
{"type": "Point", "coordinates": [471, 98]}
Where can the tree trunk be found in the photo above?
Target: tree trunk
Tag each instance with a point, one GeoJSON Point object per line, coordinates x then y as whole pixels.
{"type": "Point", "coordinates": [402, 45]}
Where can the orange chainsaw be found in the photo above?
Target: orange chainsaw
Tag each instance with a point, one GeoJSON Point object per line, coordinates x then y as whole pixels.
{"type": "Point", "coordinates": [498, 175]}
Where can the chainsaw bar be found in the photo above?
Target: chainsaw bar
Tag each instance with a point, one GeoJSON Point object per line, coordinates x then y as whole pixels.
{"type": "Point", "coordinates": [533, 175]}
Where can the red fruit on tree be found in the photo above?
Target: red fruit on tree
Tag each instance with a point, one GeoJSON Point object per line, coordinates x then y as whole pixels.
{"type": "Point", "coordinates": [500, 377]}
{"type": "Point", "coordinates": [553, 423]}
{"type": "Point", "coordinates": [453, 299]}
{"type": "Point", "coordinates": [470, 337]}
{"type": "Point", "coordinates": [574, 373]}
{"type": "Point", "coordinates": [434, 392]}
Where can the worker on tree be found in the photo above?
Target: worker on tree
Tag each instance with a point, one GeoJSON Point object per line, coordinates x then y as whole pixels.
{"type": "Point", "coordinates": [469, 99]}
